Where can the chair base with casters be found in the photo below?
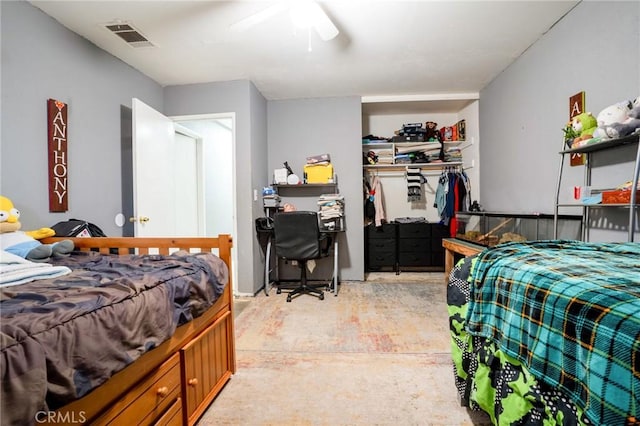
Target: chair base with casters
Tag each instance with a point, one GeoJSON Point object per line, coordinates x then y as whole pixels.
{"type": "Point", "coordinates": [305, 287]}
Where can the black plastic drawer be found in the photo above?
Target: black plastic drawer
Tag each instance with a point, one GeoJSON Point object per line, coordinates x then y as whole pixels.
{"type": "Point", "coordinates": [414, 230]}
{"type": "Point", "coordinates": [378, 259]}
{"type": "Point", "coordinates": [414, 259]}
{"type": "Point", "coordinates": [382, 244]}
{"type": "Point", "coordinates": [387, 230]}
{"type": "Point", "coordinates": [439, 231]}
{"type": "Point", "coordinates": [436, 244]}
{"type": "Point", "coordinates": [437, 259]}
{"type": "Point", "coordinates": [414, 245]}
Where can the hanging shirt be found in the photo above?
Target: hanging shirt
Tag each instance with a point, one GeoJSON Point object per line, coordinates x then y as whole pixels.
{"type": "Point", "coordinates": [376, 188]}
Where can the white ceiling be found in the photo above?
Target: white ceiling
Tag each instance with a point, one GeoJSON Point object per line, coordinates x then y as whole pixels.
{"type": "Point", "coordinates": [384, 47]}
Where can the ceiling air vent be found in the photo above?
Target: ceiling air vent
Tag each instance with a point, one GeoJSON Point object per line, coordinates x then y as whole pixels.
{"type": "Point", "coordinates": [128, 33]}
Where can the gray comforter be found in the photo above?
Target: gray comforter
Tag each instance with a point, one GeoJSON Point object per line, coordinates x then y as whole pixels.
{"type": "Point", "coordinates": [60, 338]}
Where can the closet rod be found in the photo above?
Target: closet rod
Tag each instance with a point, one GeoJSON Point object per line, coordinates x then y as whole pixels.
{"type": "Point", "coordinates": [397, 173]}
{"type": "Point", "coordinates": [400, 174]}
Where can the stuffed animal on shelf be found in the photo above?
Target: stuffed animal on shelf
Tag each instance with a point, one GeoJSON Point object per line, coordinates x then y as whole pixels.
{"type": "Point", "coordinates": [583, 125]}
{"type": "Point", "coordinates": [629, 125]}
{"type": "Point", "coordinates": [616, 113]}
{"type": "Point", "coordinates": [618, 120]}
{"type": "Point", "coordinates": [432, 134]}
{"type": "Point", "coordinates": [26, 244]}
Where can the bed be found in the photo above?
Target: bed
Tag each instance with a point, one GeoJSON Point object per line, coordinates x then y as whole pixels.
{"type": "Point", "coordinates": [139, 331]}
{"type": "Point", "coordinates": [548, 332]}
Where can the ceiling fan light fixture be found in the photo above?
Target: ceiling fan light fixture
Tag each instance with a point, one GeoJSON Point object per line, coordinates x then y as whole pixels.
{"type": "Point", "coordinates": [308, 14]}
{"type": "Point", "coordinates": [303, 14]}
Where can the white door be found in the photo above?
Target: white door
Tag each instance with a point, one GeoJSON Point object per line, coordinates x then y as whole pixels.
{"type": "Point", "coordinates": [165, 184]}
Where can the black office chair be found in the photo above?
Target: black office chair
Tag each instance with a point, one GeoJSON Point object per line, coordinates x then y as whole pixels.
{"type": "Point", "coordinates": [298, 237]}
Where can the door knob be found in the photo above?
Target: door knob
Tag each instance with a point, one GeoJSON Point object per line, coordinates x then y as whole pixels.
{"type": "Point", "coordinates": [143, 219]}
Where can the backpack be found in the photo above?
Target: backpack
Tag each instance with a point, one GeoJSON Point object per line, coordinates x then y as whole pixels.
{"type": "Point", "coordinates": [77, 228]}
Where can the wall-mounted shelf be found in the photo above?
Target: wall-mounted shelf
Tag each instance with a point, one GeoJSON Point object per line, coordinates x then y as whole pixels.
{"type": "Point", "coordinates": [305, 185]}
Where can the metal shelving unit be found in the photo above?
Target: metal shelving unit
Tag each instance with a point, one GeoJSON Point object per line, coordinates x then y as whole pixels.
{"type": "Point", "coordinates": [589, 151]}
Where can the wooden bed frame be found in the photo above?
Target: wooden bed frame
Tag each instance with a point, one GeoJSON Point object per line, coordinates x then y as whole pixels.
{"type": "Point", "coordinates": [177, 381]}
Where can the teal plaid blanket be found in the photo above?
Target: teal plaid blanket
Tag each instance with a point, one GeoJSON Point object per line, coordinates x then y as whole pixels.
{"type": "Point", "coordinates": [570, 311]}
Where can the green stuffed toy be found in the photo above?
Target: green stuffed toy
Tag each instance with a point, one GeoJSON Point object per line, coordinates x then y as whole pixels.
{"type": "Point", "coordinates": [26, 244]}
{"type": "Point", "coordinates": [584, 125]}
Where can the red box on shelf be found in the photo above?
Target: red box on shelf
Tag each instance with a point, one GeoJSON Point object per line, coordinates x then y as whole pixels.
{"type": "Point", "coordinates": [619, 196]}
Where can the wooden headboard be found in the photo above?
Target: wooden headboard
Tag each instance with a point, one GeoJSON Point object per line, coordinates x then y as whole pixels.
{"type": "Point", "coordinates": [123, 245]}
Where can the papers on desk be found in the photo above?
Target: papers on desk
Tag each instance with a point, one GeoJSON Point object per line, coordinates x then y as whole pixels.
{"type": "Point", "coordinates": [331, 211]}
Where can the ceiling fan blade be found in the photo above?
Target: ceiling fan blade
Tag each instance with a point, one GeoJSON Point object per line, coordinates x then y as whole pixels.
{"type": "Point", "coordinates": [323, 25]}
{"type": "Point", "coordinates": [256, 18]}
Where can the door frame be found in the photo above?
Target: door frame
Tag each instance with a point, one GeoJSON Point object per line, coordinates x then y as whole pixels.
{"type": "Point", "coordinates": [218, 116]}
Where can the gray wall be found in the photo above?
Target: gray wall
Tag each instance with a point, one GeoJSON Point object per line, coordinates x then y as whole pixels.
{"type": "Point", "coordinates": [524, 109]}
{"type": "Point", "coordinates": [40, 60]}
{"type": "Point", "coordinates": [249, 106]}
{"type": "Point", "coordinates": [304, 127]}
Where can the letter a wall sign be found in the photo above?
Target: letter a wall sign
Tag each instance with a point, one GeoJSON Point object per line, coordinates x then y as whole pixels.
{"type": "Point", "coordinates": [58, 161]}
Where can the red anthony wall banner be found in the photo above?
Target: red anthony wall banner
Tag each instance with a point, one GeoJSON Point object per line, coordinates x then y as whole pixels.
{"type": "Point", "coordinates": [576, 107]}
{"type": "Point", "coordinates": [58, 161]}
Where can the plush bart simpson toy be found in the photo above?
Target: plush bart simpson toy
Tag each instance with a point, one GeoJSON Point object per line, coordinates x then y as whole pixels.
{"type": "Point", "coordinates": [26, 244]}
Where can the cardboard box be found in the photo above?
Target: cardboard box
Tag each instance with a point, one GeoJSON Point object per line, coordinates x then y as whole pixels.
{"type": "Point", "coordinates": [618, 196]}
{"type": "Point", "coordinates": [318, 173]}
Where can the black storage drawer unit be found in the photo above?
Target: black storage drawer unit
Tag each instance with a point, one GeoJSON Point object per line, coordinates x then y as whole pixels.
{"type": "Point", "coordinates": [397, 245]}
{"type": "Point", "coordinates": [382, 252]}
{"type": "Point", "coordinates": [414, 244]}
{"type": "Point", "coordinates": [380, 245]}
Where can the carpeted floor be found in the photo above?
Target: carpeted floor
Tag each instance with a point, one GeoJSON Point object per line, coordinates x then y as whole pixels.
{"type": "Point", "coordinates": [377, 354]}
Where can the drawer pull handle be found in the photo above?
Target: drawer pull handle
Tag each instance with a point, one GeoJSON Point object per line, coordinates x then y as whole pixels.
{"type": "Point", "coordinates": [162, 392]}
{"type": "Point", "coordinates": [193, 382]}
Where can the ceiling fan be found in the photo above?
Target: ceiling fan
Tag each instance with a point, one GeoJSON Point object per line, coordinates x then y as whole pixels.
{"type": "Point", "coordinates": [306, 14]}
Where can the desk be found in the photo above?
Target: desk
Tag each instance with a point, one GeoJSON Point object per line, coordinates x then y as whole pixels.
{"type": "Point", "coordinates": [454, 245]}
{"type": "Point", "coordinates": [335, 279]}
